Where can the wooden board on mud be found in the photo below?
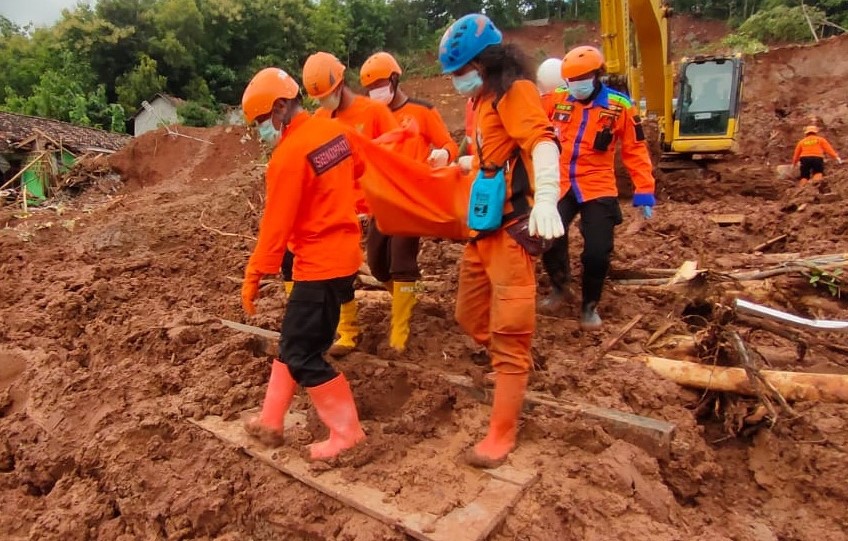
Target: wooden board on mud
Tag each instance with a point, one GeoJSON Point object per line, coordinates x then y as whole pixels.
{"type": "Point", "coordinates": [473, 522]}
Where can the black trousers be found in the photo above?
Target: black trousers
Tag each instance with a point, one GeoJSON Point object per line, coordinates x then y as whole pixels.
{"type": "Point", "coordinates": [811, 165]}
{"type": "Point", "coordinates": [309, 328]}
{"type": "Point", "coordinates": [288, 266]}
{"type": "Point", "coordinates": [391, 258]}
{"type": "Point", "coordinates": [598, 219]}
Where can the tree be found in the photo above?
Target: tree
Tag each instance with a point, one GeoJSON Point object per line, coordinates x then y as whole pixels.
{"type": "Point", "coordinates": [782, 24]}
{"type": "Point", "coordinates": [67, 93]}
{"type": "Point", "coordinates": [140, 84]}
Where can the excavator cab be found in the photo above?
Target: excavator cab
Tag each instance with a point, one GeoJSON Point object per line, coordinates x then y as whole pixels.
{"type": "Point", "coordinates": [708, 103]}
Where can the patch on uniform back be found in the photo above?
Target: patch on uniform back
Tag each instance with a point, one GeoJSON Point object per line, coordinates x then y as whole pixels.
{"type": "Point", "coordinates": [329, 155]}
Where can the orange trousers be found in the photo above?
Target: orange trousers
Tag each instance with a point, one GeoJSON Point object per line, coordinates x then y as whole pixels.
{"type": "Point", "coordinates": [496, 302]}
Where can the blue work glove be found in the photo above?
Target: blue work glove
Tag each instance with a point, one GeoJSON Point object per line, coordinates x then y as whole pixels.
{"type": "Point", "coordinates": [647, 212]}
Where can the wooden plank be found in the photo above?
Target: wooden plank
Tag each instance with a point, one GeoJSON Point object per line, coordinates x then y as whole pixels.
{"type": "Point", "coordinates": [652, 435]}
{"type": "Point", "coordinates": [472, 522]}
{"type": "Point", "coordinates": [728, 219]}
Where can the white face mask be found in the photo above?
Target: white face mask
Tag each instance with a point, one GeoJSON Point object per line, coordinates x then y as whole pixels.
{"type": "Point", "coordinates": [383, 94]}
{"type": "Point", "coordinates": [268, 133]}
{"type": "Point", "coordinates": [331, 102]}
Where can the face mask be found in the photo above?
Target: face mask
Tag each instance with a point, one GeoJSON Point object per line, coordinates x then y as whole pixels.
{"type": "Point", "coordinates": [581, 90]}
{"type": "Point", "coordinates": [331, 102]}
{"type": "Point", "coordinates": [268, 133]}
{"type": "Point", "coordinates": [467, 84]}
{"type": "Point", "coordinates": [383, 94]}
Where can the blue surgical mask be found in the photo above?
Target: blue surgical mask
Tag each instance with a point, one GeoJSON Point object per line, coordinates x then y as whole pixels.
{"type": "Point", "coordinates": [581, 90]}
{"type": "Point", "coordinates": [268, 133]}
{"type": "Point", "coordinates": [468, 84]}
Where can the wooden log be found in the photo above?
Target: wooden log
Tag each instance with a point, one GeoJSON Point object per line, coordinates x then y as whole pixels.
{"type": "Point", "coordinates": [728, 219]}
{"type": "Point", "coordinates": [791, 385]}
{"type": "Point", "coordinates": [766, 244]}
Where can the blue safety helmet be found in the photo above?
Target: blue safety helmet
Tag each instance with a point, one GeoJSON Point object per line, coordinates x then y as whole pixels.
{"type": "Point", "coordinates": [465, 39]}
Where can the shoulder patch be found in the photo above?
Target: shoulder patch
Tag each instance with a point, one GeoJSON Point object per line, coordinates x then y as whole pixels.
{"type": "Point", "coordinates": [329, 155]}
{"type": "Point", "coordinates": [619, 98]}
{"type": "Point", "coordinates": [422, 103]}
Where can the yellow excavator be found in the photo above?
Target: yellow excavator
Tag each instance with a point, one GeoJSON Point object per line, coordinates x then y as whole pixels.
{"type": "Point", "coordinates": [702, 121]}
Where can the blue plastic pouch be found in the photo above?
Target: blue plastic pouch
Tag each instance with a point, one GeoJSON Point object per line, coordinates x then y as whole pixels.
{"type": "Point", "coordinates": [485, 207]}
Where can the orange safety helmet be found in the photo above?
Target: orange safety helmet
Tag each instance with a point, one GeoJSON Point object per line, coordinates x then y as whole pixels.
{"type": "Point", "coordinates": [581, 61]}
{"type": "Point", "coordinates": [810, 129]}
{"type": "Point", "coordinates": [378, 66]}
{"type": "Point", "coordinates": [322, 73]}
{"type": "Point", "coordinates": [266, 87]}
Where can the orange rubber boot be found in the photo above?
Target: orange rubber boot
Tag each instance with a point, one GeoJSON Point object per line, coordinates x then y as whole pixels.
{"type": "Point", "coordinates": [334, 402]}
{"type": "Point", "coordinates": [268, 426]}
{"type": "Point", "coordinates": [503, 424]}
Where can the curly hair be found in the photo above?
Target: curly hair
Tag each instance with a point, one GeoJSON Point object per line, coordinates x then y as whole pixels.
{"type": "Point", "coordinates": [503, 65]}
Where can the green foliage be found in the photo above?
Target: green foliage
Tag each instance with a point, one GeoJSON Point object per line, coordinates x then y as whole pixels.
{"type": "Point", "coordinates": [742, 43]}
{"type": "Point", "coordinates": [205, 51]}
{"type": "Point", "coordinates": [140, 84]}
{"type": "Point", "coordinates": [831, 280]}
{"type": "Point", "coordinates": [782, 24]}
{"type": "Point", "coordinates": [192, 113]}
{"type": "Point", "coordinates": [67, 93]}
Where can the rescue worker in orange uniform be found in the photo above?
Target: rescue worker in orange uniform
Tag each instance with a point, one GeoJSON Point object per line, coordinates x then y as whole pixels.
{"type": "Point", "coordinates": [590, 120]}
{"type": "Point", "coordinates": [309, 205]}
{"type": "Point", "coordinates": [810, 152]}
{"type": "Point", "coordinates": [323, 79]}
{"type": "Point", "coordinates": [514, 142]}
{"type": "Point", "coordinates": [394, 260]}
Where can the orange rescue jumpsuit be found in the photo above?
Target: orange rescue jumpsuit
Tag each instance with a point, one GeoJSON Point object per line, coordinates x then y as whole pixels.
{"type": "Point", "coordinates": [309, 207]}
{"type": "Point", "coordinates": [810, 151]}
{"type": "Point", "coordinates": [496, 302]}
{"type": "Point", "coordinates": [368, 117]}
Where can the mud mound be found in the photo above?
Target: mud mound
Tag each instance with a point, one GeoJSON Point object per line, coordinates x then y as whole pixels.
{"type": "Point", "coordinates": [197, 153]}
{"type": "Point", "coordinates": [788, 88]}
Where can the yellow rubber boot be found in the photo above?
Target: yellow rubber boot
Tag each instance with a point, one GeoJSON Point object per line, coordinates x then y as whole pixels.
{"type": "Point", "coordinates": [348, 331]}
{"type": "Point", "coordinates": [288, 286]}
{"type": "Point", "coordinates": [403, 301]}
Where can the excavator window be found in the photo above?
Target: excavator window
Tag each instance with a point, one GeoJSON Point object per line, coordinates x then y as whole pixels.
{"type": "Point", "coordinates": [706, 97]}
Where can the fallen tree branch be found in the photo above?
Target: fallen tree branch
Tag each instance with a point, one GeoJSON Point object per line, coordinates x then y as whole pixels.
{"type": "Point", "coordinates": [756, 379]}
{"type": "Point", "coordinates": [791, 334]}
{"type": "Point", "coordinates": [791, 385]}
{"type": "Point", "coordinates": [222, 233]}
{"type": "Point", "coordinates": [605, 348]}
{"type": "Point", "coordinates": [766, 244]}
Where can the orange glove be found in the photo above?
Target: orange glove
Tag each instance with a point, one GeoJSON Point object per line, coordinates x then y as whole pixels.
{"type": "Point", "coordinates": [250, 289]}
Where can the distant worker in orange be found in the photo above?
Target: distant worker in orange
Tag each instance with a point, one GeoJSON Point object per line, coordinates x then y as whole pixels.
{"type": "Point", "coordinates": [810, 152]}
{"type": "Point", "coordinates": [394, 260]}
{"type": "Point", "coordinates": [512, 213]}
{"type": "Point", "coordinates": [323, 79]}
{"type": "Point", "coordinates": [309, 206]}
{"type": "Point", "coordinates": [590, 119]}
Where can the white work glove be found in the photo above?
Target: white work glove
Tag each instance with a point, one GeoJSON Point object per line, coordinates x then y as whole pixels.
{"type": "Point", "coordinates": [545, 220]}
{"type": "Point", "coordinates": [839, 161]}
{"type": "Point", "coordinates": [466, 163]}
{"type": "Point", "coordinates": [438, 158]}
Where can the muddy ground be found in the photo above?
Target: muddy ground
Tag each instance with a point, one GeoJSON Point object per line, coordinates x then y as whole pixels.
{"type": "Point", "coordinates": [110, 343]}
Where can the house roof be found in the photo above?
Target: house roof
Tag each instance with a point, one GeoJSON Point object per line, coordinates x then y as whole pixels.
{"type": "Point", "coordinates": [16, 129]}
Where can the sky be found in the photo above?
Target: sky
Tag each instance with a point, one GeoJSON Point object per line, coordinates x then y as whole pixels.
{"type": "Point", "coordinates": [38, 12]}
